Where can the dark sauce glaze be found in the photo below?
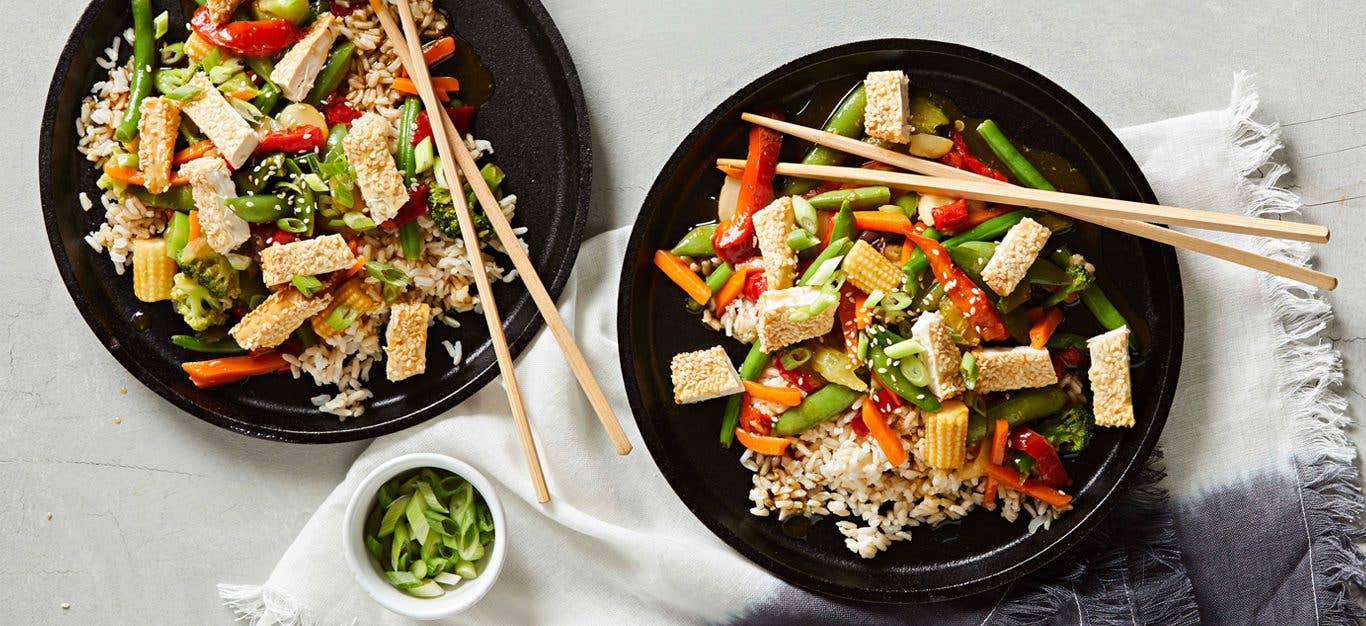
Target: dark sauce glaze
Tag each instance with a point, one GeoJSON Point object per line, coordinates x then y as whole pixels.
{"type": "Point", "coordinates": [476, 82]}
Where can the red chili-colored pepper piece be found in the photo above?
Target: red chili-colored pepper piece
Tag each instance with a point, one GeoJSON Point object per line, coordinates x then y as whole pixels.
{"type": "Point", "coordinates": [414, 207]}
{"type": "Point", "coordinates": [752, 419]}
{"type": "Point", "coordinates": [960, 289]}
{"type": "Point", "coordinates": [755, 285]}
{"type": "Point", "coordinates": [337, 111]}
{"type": "Point", "coordinates": [461, 117]}
{"type": "Point", "coordinates": [283, 236]}
{"type": "Point", "coordinates": [343, 8]}
{"type": "Point", "coordinates": [297, 139]}
{"type": "Point", "coordinates": [951, 217]}
{"type": "Point", "coordinates": [423, 128]}
{"type": "Point", "coordinates": [800, 377]}
{"type": "Point", "coordinates": [734, 239]}
{"type": "Point", "coordinates": [886, 400]}
{"type": "Point", "coordinates": [259, 38]}
{"type": "Point", "coordinates": [859, 427]}
{"type": "Point", "coordinates": [960, 158]}
{"type": "Point", "coordinates": [1046, 461]}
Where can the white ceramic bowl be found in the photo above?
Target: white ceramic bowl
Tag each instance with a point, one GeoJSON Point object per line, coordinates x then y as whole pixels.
{"type": "Point", "coordinates": [368, 573]}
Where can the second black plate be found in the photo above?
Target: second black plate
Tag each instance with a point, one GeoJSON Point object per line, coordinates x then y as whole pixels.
{"type": "Point", "coordinates": [983, 550]}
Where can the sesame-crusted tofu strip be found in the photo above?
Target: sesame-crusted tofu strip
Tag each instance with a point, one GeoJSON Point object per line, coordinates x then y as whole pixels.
{"type": "Point", "coordinates": [1016, 253]}
{"type": "Point", "coordinates": [1109, 374]}
{"type": "Point", "coordinates": [210, 183]}
{"type": "Point", "coordinates": [1005, 369]}
{"type": "Point", "coordinates": [703, 375]}
{"type": "Point", "coordinates": [307, 257]}
{"type": "Point", "coordinates": [367, 149]}
{"type": "Point", "coordinates": [210, 111]}
{"type": "Point", "coordinates": [405, 340]}
{"type": "Point", "coordinates": [941, 356]}
{"type": "Point", "coordinates": [271, 323]}
{"type": "Point", "coordinates": [221, 10]}
{"type": "Point", "coordinates": [157, 130]}
{"type": "Point", "coordinates": [297, 70]}
{"type": "Point", "coordinates": [777, 329]}
{"type": "Point", "coordinates": [885, 116]}
{"type": "Point", "coordinates": [771, 227]}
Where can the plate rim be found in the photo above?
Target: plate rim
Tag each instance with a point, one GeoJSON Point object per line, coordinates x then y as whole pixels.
{"type": "Point", "coordinates": [1061, 544]}
{"type": "Point", "coordinates": [132, 362]}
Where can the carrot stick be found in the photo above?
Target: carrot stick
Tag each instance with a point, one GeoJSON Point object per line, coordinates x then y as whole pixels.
{"type": "Point", "coordinates": [437, 50]}
{"type": "Point", "coordinates": [1043, 329]}
{"type": "Point", "coordinates": [786, 396]}
{"type": "Point", "coordinates": [736, 172]}
{"type": "Point", "coordinates": [199, 149]}
{"type": "Point", "coordinates": [906, 250]}
{"type": "Point", "coordinates": [887, 439]}
{"type": "Point", "coordinates": [215, 372]}
{"type": "Point", "coordinates": [678, 271]}
{"type": "Point", "coordinates": [1037, 490]}
{"type": "Point", "coordinates": [998, 456]}
{"type": "Point", "coordinates": [195, 230]}
{"type": "Point", "coordinates": [130, 176]}
{"type": "Point", "coordinates": [884, 221]}
{"type": "Point", "coordinates": [863, 317]}
{"type": "Point", "coordinates": [445, 83]}
{"type": "Point", "coordinates": [731, 289]}
{"type": "Point", "coordinates": [772, 446]}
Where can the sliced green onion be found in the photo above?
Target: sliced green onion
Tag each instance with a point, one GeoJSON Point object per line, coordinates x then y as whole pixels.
{"type": "Point", "coordinates": [795, 358]}
{"type": "Point", "coordinates": [291, 225]}
{"type": "Point", "coordinates": [799, 240]}
{"type": "Point", "coordinates": [968, 368]}
{"type": "Point", "coordinates": [124, 159]}
{"type": "Point", "coordinates": [828, 296]}
{"type": "Point", "coordinates": [356, 220]}
{"type": "Point", "coordinates": [805, 214]}
{"type": "Point", "coordinates": [391, 515]}
{"type": "Point", "coordinates": [873, 298]}
{"type": "Point", "coordinates": [172, 53]}
{"type": "Point", "coordinates": [247, 110]}
{"type": "Point", "coordinates": [160, 24]}
{"type": "Point", "coordinates": [904, 348]}
{"type": "Point", "coordinates": [896, 301]}
{"type": "Point", "coordinates": [342, 317]}
{"type": "Point", "coordinates": [826, 271]}
{"type": "Point", "coordinates": [183, 92]}
{"type": "Point", "coordinates": [239, 262]}
{"type": "Point", "coordinates": [440, 173]}
{"type": "Point", "coordinates": [422, 153]}
{"type": "Point", "coordinates": [447, 578]}
{"type": "Point", "coordinates": [314, 181]}
{"type": "Point", "coordinates": [403, 580]}
{"type": "Point", "coordinates": [224, 71]}
{"type": "Point", "coordinates": [863, 347]}
{"type": "Point", "coordinates": [394, 279]}
{"type": "Point", "coordinates": [307, 285]}
{"type": "Point", "coordinates": [915, 371]}
{"type": "Point", "coordinates": [428, 528]}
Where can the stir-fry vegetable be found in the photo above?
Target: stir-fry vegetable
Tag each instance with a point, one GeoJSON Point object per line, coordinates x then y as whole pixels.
{"type": "Point", "coordinates": [734, 238]}
{"type": "Point", "coordinates": [144, 59]}
{"type": "Point", "coordinates": [847, 120]}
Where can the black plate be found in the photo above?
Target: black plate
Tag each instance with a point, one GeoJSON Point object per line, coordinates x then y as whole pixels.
{"type": "Point", "coordinates": [981, 551]}
{"type": "Point", "coordinates": [538, 125]}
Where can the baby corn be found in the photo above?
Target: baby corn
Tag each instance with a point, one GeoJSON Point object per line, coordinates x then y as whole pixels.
{"type": "Point", "coordinates": [946, 436]}
{"type": "Point", "coordinates": [352, 293]}
{"type": "Point", "coordinates": [153, 271]}
{"type": "Point", "coordinates": [870, 271]}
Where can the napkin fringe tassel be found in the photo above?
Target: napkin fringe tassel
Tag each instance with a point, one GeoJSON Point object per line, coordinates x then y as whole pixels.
{"type": "Point", "coordinates": [260, 606]}
{"type": "Point", "coordinates": [1312, 376]}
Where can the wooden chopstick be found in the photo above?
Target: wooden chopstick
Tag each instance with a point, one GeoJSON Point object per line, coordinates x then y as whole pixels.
{"type": "Point", "coordinates": [544, 303]}
{"type": "Point", "coordinates": [982, 188]}
{"type": "Point", "coordinates": [421, 78]}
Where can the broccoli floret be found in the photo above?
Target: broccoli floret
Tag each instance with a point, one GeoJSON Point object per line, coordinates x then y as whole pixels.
{"type": "Point", "coordinates": [442, 211]}
{"type": "Point", "coordinates": [1081, 278]}
{"type": "Point", "coordinates": [1069, 431]}
{"type": "Point", "coordinates": [195, 303]}
{"type": "Point", "coordinates": [210, 269]}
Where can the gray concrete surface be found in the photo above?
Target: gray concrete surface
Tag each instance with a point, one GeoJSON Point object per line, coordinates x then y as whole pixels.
{"type": "Point", "coordinates": [148, 514]}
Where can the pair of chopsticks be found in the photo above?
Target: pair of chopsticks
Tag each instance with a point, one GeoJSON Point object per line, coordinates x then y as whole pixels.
{"type": "Point", "coordinates": [1134, 218]}
{"type": "Point", "coordinates": [451, 146]}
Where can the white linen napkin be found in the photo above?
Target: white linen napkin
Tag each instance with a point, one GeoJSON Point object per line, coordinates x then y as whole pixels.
{"type": "Point", "coordinates": [616, 545]}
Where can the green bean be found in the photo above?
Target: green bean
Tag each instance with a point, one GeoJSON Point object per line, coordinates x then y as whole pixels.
{"type": "Point", "coordinates": [846, 120]}
{"type": "Point", "coordinates": [305, 205]}
{"type": "Point", "coordinates": [254, 180]}
{"type": "Point", "coordinates": [1067, 340]}
{"type": "Point", "coordinates": [836, 248]}
{"type": "Point", "coordinates": [859, 198]}
{"type": "Point", "coordinates": [988, 230]}
{"type": "Point", "coordinates": [1095, 299]}
{"type": "Point", "coordinates": [715, 279]}
{"type": "Point", "coordinates": [195, 343]}
{"type": "Point", "coordinates": [178, 197]}
{"type": "Point", "coordinates": [1021, 407]}
{"type": "Point", "coordinates": [407, 124]}
{"type": "Point", "coordinates": [177, 234]}
{"type": "Point", "coordinates": [333, 149]}
{"type": "Point", "coordinates": [410, 240]}
{"type": "Point", "coordinates": [821, 405]}
{"type": "Point", "coordinates": [332, 73]}
{"type": "Point", "coordinates": [750, 369]}
{"type": "Point", "coordinates": [697, 242]}
{"type": "Point", "coordinates": [257, 209]}
{"type": "Point", "coordinates": [144, 53]}
{"type": "Point", "coordinates": [842, 227]}
{"type": "Point", "coordinates": [800, 240]}
{"type": "Point", "coordinates": [1018, 164]}
{"type": "Point", "coordinates": [888, 371]}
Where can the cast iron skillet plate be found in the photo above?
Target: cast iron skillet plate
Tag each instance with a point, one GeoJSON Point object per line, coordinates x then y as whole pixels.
{"type": "Point", "coordinates": [982, 550]}
{"type": "Point", "coordinates": [539, 129]}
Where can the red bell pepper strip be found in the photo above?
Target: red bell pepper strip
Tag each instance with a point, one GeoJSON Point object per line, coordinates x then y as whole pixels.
{"type": "Point", "coordinates": [753, 420]}
{"type": "Point", "coordinates": [337, 111]}
{"type": "Point", "coordinates": [1046, 461]}
{"type": "Point", "coordinates": [423, 128]}
{"type": "Point", "coordinates": [960, 289]}
{"type": "Point", "coordinates": [1033, 488]}
{"type": "Point", "coordinates": [297, 139]}
{"type": "Point", "coordinates": [859, 427]}
{"type": "Point", "coordinates": [734, 239]}
{"type": "Point", "coordinates": [260, 38]}
{"type": "Point", "coordinates": [951, 217]}
{"type": "Point", "coordinates": [414, 207]}
{"type": "Point", "coordinates": [461, 117]}
{"type": "Point", "coordinates": [799, 377]}
{"type": "Point", "coordinates": [755, 286]}
{"type": "Point", "coordinates": [886, 400]}
{"type": "Point", "coordinates": [960, 158]}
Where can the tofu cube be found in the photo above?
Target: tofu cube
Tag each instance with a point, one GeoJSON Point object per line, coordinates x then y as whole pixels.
{"type": "Point", "coordinates": [777, 329]}
{"type": "Point", "coordinates": [298, 69]}
{"type": "Point", "coordinates": [405, 340]}
{"type": "Point", "coordinates": [1111, 389]}
{"type": "Point", "coordinates": [306, 257]}
{"type": "Point", "coordinates": [942, 357]}
{"type": "Point", "coordinates": [157, 131]}
{"type": "Point", "coordinates": [211, 183]}
{"type": "Point", "coordinates": [381, 184]}
{"type": "Point", "coordinates": [1005, 369]}
{"type": "Point", "coordinates": [885, 116]}
{"type": "Point", "coordinates": [703, 375]}
{"type": "Point", "coordinates": [271, 323]}
{"type": "Point", "coordinates": [771, 227]}
{"type": "Point", "coordinates": [1015, 254]}
{"type": "Point", "coordinates": [210, 111]}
